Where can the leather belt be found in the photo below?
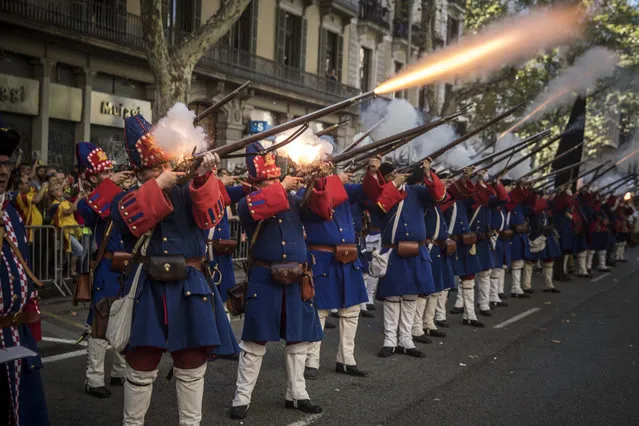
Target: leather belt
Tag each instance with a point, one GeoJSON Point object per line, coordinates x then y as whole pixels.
{"type": "Point", "coordinates": [440, 243]}
{"type": "Point", "coordinates": [329, 249]}
{"type": "Point", "coordinates": [194, 262]}
{"type": "Point", "coordinates": [482, 236]}
{"type": "Point", "coordinates": [19, 318]}
{"type": "Point", "coordinates": [268, 264]}
{"type": "Point", "coordinates": [374, 230]}
{"type": "Point", "coordinates": [394, 246]}
{"type": "Point", "coordinates": [108, 255]}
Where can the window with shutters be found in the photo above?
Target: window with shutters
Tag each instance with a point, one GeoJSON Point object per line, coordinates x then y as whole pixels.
{"type": "Point", "coordinates": [183, 17]}
{"type": "Point", "coordinates": [292, 40]}
{"type": "Point", "coordinates": [365, 68]}
{"type": "Point", "coordinates": [452, 30]}
{"type": "Point", "coordinates": [331, 62]}
{"type": "Point", "coordinates": [241, 36]}
{"type": "Point", "coordinates": [402, 93]}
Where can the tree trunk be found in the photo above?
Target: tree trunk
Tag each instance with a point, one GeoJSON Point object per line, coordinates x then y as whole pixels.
{"type": "Point", "coordinates": [171, 87]}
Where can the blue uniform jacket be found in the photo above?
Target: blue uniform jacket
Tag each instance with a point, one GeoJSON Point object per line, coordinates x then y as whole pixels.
{"type": "Point", "coordinates": [464, 263]}
{"type": "Point", "coordinates": [520, 244]}
{"type": "Point", "coordinates": [27, 394]}
{"type": "Point", "coordinates": [442, 264]}
{"type": "Point", "coordinates": [540, 225]}
{"type": "Point", "coordinates": [183, 314]}
{"type": "Point", "coordinates": [499, 222]}
{"type": "Point", "coordinates": [273, 223]}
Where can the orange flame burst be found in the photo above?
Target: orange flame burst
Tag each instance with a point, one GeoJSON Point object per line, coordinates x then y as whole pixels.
{"type": "Point", "coordinates": [627, 156]}
{"type": "Point", "coordinates": [493, 47]}
{"type": "Point", "coordinates": [534, 112]}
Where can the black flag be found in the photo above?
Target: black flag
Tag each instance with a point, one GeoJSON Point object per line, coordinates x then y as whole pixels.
{"type": "Point", "coordinates": [573, 135]}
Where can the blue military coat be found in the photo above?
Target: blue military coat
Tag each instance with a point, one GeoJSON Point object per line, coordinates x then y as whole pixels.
{"type": "Point", "coordinates": [464, 262]}
{"type": "Point", "coordinates": [27, 402]}
{"type": "Point", "coordinates": [442, 265]}
{"type": "Point", "coordinates": [174, 315]}
{"type": "Point", "coordinates": [337, 285]}
{"type": "Point", "coordinates": [499, 222]}
{"type": "Point", "coordinates": [520, 244]}
{"type": "Point", "coordinates": [540, 225]}
{"type": "Point", "coordinates": [222, 264]}
{"type": "Point", "coordinates": [273, 223]}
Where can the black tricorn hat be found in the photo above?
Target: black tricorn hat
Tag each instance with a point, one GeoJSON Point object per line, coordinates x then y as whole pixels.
{"type": "Point", "coordinates": [386, 167]}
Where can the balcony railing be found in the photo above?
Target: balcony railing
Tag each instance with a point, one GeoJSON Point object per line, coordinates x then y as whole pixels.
{"type": "Point", "coordinates": [400, 29]}
{"type": "Point", "coordinates": [372, 11]}
{"type": "Point", "coordinates": [349, 5]}
{"type": "Point", "coordinates": [106, 23]}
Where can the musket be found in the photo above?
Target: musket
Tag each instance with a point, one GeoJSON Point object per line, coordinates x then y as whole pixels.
{"type": "Point", "coordinates": [365, 135]}
{"type": "Point", "coordinates": [392, 139]}
{"type": "Point", "coordinates": [554, 172]}
{"type": "Point", "coordinates": [622, 180]}
{"type": "Point", "coordinates": [598, 175]}
{"type": "Point", "coordinates": [582, 175]}
{"type": "Point", "coordinates": [296, 134]}
{"type": "Point", "coordinates": [619, 185]}
{"type": "Point", "coordinates": [524, 158]}
{"type": "Point", "coordinates": [547, 163]}
{"type": "Point", "coordinates": [460, 140]}
{"type": "Point", "coordinates": [219, 104]}
{"type": "Point", "coordinates": [504, 153]}
{"type": "Point", "coordinates": [332, 127]}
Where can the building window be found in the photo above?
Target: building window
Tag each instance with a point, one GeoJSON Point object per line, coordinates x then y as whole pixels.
{"type": "Point", "coordinates": [452, 30]}
{"type": "Point", "coordinates": [398, 68]}
{"type": "Point", "coordinates": [292, 41]}
{"type": "Point", "coordinates": [365, 66]}
{"type": "Point", "coordinates": [422, 99]}
{"type": "Point", "coordinates": [241, 34]}
{"type": "Point", "coordinates": [183, 17]}
{"type": "Point", "coordinates": [331, 51]}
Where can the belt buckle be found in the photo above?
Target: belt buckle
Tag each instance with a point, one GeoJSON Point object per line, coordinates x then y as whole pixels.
{"type": "Point", "coordinates": [15, 320]}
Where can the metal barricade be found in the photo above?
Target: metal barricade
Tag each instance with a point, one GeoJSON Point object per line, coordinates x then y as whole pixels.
{"type": "Point", "coordinates": [75, 250]}
{"type": "Point", "coordinates": [43, 241]}
{"type": "Point", "coordinates": [238, 234]}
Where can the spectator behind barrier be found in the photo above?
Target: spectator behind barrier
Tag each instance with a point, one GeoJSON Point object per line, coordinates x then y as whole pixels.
{"type": "Point", "coordinates": [62, 215]}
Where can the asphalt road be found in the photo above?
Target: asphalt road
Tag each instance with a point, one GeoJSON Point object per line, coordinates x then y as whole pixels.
{"type": "Point", "coordinates": [570, 358]}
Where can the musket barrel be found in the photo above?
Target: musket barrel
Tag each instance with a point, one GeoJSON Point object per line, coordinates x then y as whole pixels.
{"type": "Point", "coordinates": [242, 143]}
{"type": "Point", "coordinates": [527, 156]}
{"type": "Point", "coordinates": [365, 135]}
{"type": "Point", "coordinates": [547, 163]}
{"type": "Point", "coordinates": [555, 172]}
{"type": "Point", "coordinates": [332, 127]}
{"type": "Point", "coordinates": [219, 104]}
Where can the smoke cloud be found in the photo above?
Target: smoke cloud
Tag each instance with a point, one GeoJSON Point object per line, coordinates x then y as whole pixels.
{"type": "Point", "coordinates": [176, 135]}
{"type": "Point", "coordinates": [306, 148]}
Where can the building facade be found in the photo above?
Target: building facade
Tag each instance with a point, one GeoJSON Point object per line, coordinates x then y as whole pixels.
{"type": "Point", "coordinates": [72, 70]}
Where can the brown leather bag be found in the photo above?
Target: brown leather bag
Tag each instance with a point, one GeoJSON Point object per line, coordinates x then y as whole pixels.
{"type": "Point", "coordinates": [407, 248]}
{"type": "Point", "coordinates": [224, 246]}
{"type": "Point", "coordinates": [82, 291]}
{"type": "Point", "coordinates": [507, 234]}
{"type": "Point", "coordinates": [236, 302]}
{"type": "Point", "coordinates": [469, 238]}
{"type": "Point", "coordinates": [521, 228]}
{"type": "Point", "coordinates": [120, 261]}
{"type": "Point", "coordinates": [101, 317]}
{"type": "Point", "coordinates": [346, 253]}
{"type": "Point", "coordinates": [451, 247]}
{"type": "Point", "coordinates": [307, 286]}
{"type": "Point", "coordinates": [167, 268]}
{"type": "Point", "coordinates": [286, 273]}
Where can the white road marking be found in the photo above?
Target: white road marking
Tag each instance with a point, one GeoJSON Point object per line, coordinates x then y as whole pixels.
{"type": "Point", "coordinates": [600, 277]}
{"type": "Point", "coordinates": [517, 317]}
{"type": "Point", "coordinates": [58, 340]}
{"type": "Point", "coordinates": [307, 420]}
{"type": "Point", "coordinates": [66, 355]}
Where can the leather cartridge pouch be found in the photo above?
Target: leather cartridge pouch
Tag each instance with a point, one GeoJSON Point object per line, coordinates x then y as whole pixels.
{"type": "Point", "coordinates": [408, 248]}
{"type": "Point", "coordinates": [101, 317]}
{"type": "Point", "coordinates": [307, 286]}
{"type": "Point", "coordinates": [224, 246]}
{"type": "Point", "coordinates": [82, 291]}
{"type": "Point", "coordinates": [451, 247]}
{"type": "Point", "coordinates": [507, 235]}
{"type": "Point", "coordinates": [120, 261]}
{"type": "Point", "coordinates": [167, 268]}
{"type": "Point", "coordinates": [346, 253]}
{"type": "Point", "coordinates": [236, 302]}
{"type": "Point", "coordinates": [522, 228]}
{"type": "Point", "coordinates": [469, 238]}
{"type": "Point", "coordinates": [286, 273]}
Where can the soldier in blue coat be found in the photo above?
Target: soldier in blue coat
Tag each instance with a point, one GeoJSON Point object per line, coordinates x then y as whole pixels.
{"type": "Point", "coordinates": [466, 261]}
{"type": "Point", "coordinates": [177, 310]}
{"type": "Point", "coordinates": [436, 241]}
{"type": "Point", "coordinates": [361, 223]}
{"type": "Point", "coordinates": [337, 271]}
{"type": "Point", "coordinates": [520, 245]}
{"type": "Point", "coordinates": [22, 400]}
{"type": "Point", "coordinates": [503, 255]}
{"type": "Point", "coordinates": [404, 265]}
{"type": "Point", "coordinates": [96, 175]}
{"type": "Point", "coordinates": [277, 306]}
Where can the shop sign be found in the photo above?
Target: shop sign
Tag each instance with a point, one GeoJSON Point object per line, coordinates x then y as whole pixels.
{"type": "Point", "coordinates": [19, 95]}
{"type": "Point", "coordinates": [110, 110]}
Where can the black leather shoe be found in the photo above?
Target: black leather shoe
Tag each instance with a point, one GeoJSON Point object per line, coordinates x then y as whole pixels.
{"type": "Point", "coordinates": [434, 333]}
{"type": "Point", "coordinates": [117, 381]}
{"type": "Point", "coordinates": [529, 291]}
{"type": "Point", "coordinates": [371, 307]}
{"type": "Point", "coordinates": [485, 313]}
{"type": "Point", "coordinates": [498, 304]}
{"type": "Point", "coordinates": [351, 370]}
{"type": "Point", "coordinates": [520, 296]}
{"type": "Point", "coordinates": [329, 325]}
{"type": "Point", "coordinates": [100, 392]}
{"type": "Point", "coordinates": [473, 323]}
{"type": "Point", "coordinates": [310, 373]}
{"type": "Point", "coordinates": [502, 296]}
{"type": "Point", "coordinates": [442, 324]}
{"type": "Point", "coordinates": [239, 412]}
{"type": "Point", "coordinates": [385, 352]}
{"type": "Point", "coordinates": [456, 311]}
{"type": "Point", "coordinates": [366, 314]}
{"type": "Point", "coordinates": [422, 339]}
{"type": "Point", "coordinates": [414, 352]}
{"type": "Point", "coordinates": [304, 405]}
{"type": "Point", "coordinates": [552, 290]}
